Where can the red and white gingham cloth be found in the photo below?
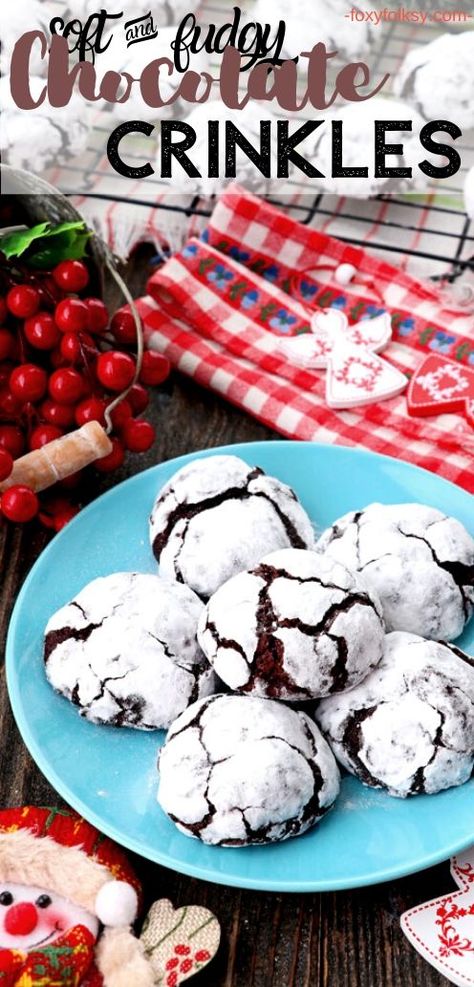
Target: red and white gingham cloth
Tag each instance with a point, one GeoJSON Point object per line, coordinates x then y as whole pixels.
{"type": "Point", "coordinates": [201, 320]}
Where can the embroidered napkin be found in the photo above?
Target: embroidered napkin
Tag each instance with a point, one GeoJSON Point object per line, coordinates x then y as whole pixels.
{"type": "Point", "coordinates": [218, 306]}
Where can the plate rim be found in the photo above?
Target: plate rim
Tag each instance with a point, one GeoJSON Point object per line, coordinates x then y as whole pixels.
{"type": "Point", "coordinates": [203, 871]}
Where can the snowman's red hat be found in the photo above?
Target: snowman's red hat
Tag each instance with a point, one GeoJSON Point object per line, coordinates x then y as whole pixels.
{"type": "Point", "coordinates": [59, 851]}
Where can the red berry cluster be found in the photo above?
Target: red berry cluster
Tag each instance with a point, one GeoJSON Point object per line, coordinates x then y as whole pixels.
{"type": "Point", "coordinates": [177, 965]}
{"type": "Point", "coordinates": [63, 361]}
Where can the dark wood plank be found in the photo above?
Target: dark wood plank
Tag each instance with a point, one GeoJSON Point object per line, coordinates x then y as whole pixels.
{"type": "Point", "coordinates": [348, 939]}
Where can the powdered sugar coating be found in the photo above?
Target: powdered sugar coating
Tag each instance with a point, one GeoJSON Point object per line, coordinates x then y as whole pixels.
{"type": "Point", "coordinates": [409, 727]}
{"type": "Point", "coordinates": [420, 562]}
{"type": "Point", "coordinates": [164, 11]}
{"type": "Point", "coordinates": [218, 516]}
{"type": "Point", "coordinates": [25, 15]}
{"type": "Point", "coordinates": [125, 651]}
{"type": "Point", "coordinates": [438, 78]}
{"type": "Point", "coordinates": [358, 128]}
{"type": "Point", "coordinates": [297, 626]}
{"type": "Point", "coordinates": [239, 770]}
{"type": "Point", "coordinates": [133, 61]}
{"type": "Point", "coordinates": [247, 120]}
{"type": "Point", "coordinates": [314, 21]}
{"type": "Point", "coordinates": [53, 136]}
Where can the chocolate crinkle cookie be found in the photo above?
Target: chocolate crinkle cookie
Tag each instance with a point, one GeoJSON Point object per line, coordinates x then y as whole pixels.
{"type": "Point", "coordinates": [218, 516]}
{"type": "Point", "coordinates": [418, 560]}
{"type": "Point", "coordinates": [438, 78]}
{"type": "Point", "coordinates": [409, 727]}
{"type": "Point", "coordinates": [237, 770]}
{"type": "Point", "coordinates": [358, 124]}
{"type": "Point", "coordinates": [125, 651]}
{"type": "Point", "coordinates": [297, 626]}
{"type": "Point", "coordinates": [317, 21]}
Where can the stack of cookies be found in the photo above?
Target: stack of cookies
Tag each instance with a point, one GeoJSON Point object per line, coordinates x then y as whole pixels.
{"type": "Point", "coordinates": [270, 656]}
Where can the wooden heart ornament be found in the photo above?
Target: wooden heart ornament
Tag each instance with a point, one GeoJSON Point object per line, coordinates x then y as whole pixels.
{"type": "Point", "coordinates": [440, 385]}
{"type": "Point", "coordinates": [356, 377]}
{"type": "Point", "coordinates": [442, 930]}
{"type": "Point", "coordinates": [328, 326]}
{"type": "Point", "coordinates": [179, 943]}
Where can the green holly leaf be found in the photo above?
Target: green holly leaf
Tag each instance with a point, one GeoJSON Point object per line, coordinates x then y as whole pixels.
{"type": "Point", "coordinates": [15, 244]}
{"type": "Point", "coordinates": [44, 246]}
{"type": "Point", "coordinates": [66, 246]}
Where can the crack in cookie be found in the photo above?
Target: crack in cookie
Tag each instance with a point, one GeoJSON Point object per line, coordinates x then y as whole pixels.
{"type": "Point", "coordinates": [145, 639]}
{"type": "Point", "coordinates": [295, 627]}
{"type": "Point", "coordinates": [409, 727]}
{"type": "Point", "coordinates": [218, 516]}
{"type": "Point", "coordinates": [418, 560]}
{"type": "Point", "coordinates": [245, 771]}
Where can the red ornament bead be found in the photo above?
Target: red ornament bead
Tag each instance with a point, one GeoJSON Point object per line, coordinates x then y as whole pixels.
{"type": "Point", "coordinates": [61, 415]}
{"type": "Point", "coordinates": [73, 346]}
{"type": "Point", "coordinates": [12, 439]}
{"type": "Point", "coordinates": [72, 481]}
{"type": "Point", "coordinates": [28, 382]}
{"type": "Point", "coordinates": [19, 504]}
{"type": "Point", "coordinates": [71, 315]}
{"type": "Point", "coordinates": [10, 407]}
{"type": "Point", "coordinates": [6, 464]}
{"type": "Point", "coordinates": [139, 399]}
{"type": "Point", "coordinates": [155, 368]}
{"type": "Point", "coordinates": [53, 504]}
{"type": "Point", "coordinates": [70, 347]}
{"type": "Point", "coordinates": [7, 343]}
{"type": "Point", "coordinates": [123, 328]}
{"type": "Point", "coordinates": [98, 315]}
{"type": "Point", "coordinates": [3, 310]}
{"type": "Point", "coordinates": [41, 331]}
{"type": "Point", "coordinates": [138, 436]}
{"type": "Point", "coordinates": [23, 301]}
{"type": "Point", "coordinates": [56, 358]}
{"type": "Point", "coordinates": [43, 434]}
{"type": "Point", "coordinates": [49, 290]}
{"type": "Point", "coordinates": [71, 275]}
{"type": "Point", "coordinates": [66, 386]}
{"type": "Point", "coordinates": [115, 370]}
{"type": "Point", "coordinates": [186, 966]}
{"type": "Point", "coordinates": [90, 410]}
{"type": "Point", "coordinates": [64, 517]}
{"type": "Point", "coordinates": [114, 459]}
{"type": "Point", "coordinates": [121, 414]}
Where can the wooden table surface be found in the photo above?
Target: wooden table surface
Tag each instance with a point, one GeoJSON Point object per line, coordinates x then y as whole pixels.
{"type": "Point", "coordinates": [345, 939]}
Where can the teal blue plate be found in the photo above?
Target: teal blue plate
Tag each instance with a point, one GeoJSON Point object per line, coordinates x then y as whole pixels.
{"type": "Point", "coordinates": [110, 776]}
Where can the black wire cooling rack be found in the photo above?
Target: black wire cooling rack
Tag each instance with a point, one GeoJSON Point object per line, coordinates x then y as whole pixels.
{"type": "Point", "coordinates": [429, 235]}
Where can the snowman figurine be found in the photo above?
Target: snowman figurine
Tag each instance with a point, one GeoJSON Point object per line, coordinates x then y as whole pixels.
{"type": "Point", "coordinates": [68, 898]}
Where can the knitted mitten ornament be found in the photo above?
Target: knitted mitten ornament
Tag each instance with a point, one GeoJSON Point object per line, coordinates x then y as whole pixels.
{"type": "Point", "coordinates": [68, 898]}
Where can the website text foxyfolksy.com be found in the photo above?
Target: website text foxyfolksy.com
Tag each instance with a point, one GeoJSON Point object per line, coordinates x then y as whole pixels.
{"type": "Point", "coordinates": [406, 15]}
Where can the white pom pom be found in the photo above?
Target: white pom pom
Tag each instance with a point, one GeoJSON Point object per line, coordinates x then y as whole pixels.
{"type": "Point", "coordinates": [116, 904]}
{"type": "Point", "coordinates": [344, 274]}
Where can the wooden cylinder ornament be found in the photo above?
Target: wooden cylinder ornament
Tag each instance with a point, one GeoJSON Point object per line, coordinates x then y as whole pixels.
{"type": "Point", "coordinates": [59, 459]}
